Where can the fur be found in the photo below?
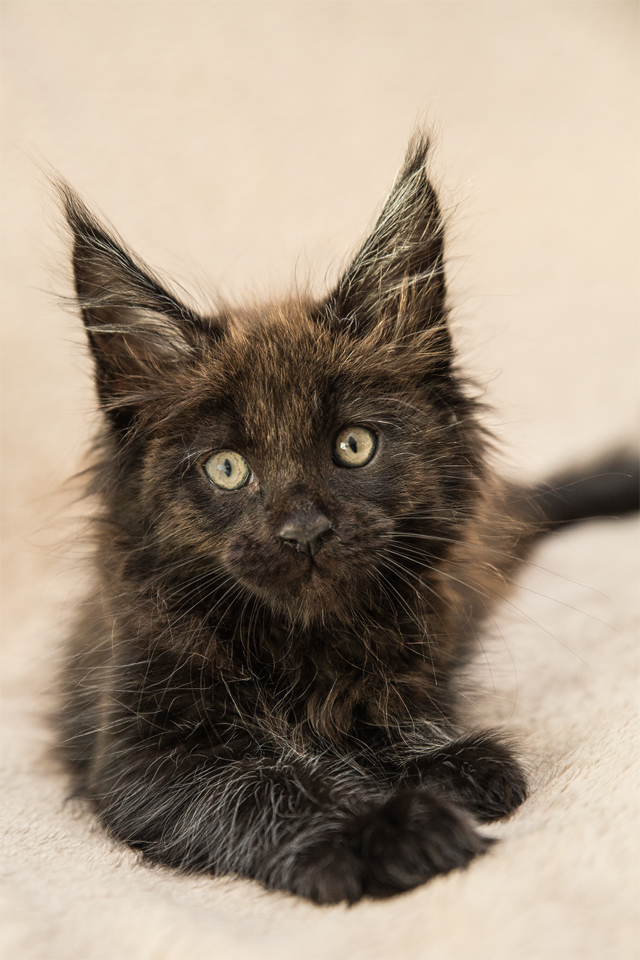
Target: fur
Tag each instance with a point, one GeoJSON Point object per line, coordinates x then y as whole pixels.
{"type": "Point", "coordinates": [232, 705]}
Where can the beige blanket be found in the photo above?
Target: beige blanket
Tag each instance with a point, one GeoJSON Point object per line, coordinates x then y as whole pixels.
{"type": "Point", "coordinates": [241, 141]}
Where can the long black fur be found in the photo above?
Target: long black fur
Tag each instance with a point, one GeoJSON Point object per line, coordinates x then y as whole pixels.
{"type": "Point", "coordinates": [263, 680]}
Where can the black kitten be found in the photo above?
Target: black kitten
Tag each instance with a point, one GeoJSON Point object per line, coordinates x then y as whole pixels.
{"type": "Point", "coordinates": [298, 536]}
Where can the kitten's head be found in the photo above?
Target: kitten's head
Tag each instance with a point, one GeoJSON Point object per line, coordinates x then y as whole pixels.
{"type": "Point", "coordinates": [316, 455]}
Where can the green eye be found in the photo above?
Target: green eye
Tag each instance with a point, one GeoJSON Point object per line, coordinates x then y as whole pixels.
{"type": "Point", "coordinates": [228, 470]}
{"type": "Point", "coordinates": [354, 447]}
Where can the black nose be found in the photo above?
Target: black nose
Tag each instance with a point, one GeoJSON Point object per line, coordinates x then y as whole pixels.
{"type": "Point", "coordinates": [307, 532]}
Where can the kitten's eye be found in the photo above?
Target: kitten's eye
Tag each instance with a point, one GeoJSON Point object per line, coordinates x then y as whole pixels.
{"type": "Point", "coordinates": [227, 470]}
{"type": "Point", "coordinates": [354, 447]}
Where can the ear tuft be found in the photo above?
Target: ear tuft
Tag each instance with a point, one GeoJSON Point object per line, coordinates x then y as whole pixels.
{"type": "Point", "coordinates": [395, 287]}
{"type": "Point", "coordinates": [136, 328]}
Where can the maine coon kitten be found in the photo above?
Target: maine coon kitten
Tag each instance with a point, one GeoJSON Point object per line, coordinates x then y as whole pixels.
{"type": "Point", "coordinates": [299, 535]}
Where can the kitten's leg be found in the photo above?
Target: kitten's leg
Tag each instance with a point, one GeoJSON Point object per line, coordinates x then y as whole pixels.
{"type": "Point", "coordinates": [479, 770]}
{"type": "Point", "coordinates": [320, 832]}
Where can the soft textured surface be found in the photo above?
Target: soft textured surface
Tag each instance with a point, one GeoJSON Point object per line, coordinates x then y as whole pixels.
{"type": "Point", "coordinates": [241, 142]}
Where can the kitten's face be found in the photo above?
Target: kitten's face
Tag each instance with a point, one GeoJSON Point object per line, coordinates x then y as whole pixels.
{"type": "Point", "coordinates": [316, 456]}
{"type": "Point", "coordinates": [300, 457]}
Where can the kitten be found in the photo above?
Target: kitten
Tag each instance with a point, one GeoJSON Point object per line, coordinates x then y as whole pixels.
{"type": "Point", "coordinates": [299, 535]}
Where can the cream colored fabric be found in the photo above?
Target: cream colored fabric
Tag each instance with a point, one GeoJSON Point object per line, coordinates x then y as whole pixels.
{"type": "Point", "coordinates": [250, 142]}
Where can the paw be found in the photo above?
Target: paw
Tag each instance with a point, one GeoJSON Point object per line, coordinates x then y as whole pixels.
{"type": "Point", "coordinates": [415, 836]}
{"type": "Point", "coordinates": [480, 772]}
{"type": "Point", "coordinates": [386, 849]}
{"type": "Point", "coordinates": [328, 871]}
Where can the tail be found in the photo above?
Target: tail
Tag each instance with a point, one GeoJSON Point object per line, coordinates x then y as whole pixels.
{"type": "Point", "coordinates": [608, 487]}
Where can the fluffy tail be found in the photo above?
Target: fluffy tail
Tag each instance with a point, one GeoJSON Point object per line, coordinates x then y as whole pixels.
{"type": "Point", "coordinates": [609, 487]}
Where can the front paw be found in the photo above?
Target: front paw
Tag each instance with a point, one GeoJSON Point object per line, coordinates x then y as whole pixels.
{"type": "Point", "coordinates": [412, 838]}
{"type": "Point", "coordinates": [390, 848]}
{"type": "Point", "coordinates": [480, 771]}
{"type": "Point", "coordinates": [328, 870]}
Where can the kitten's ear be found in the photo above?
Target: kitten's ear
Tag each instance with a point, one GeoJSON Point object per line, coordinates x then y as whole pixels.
{"type": "Point", "coordinates": [136, 328]}
{"type": "Point", "coordinates": [395, 286]}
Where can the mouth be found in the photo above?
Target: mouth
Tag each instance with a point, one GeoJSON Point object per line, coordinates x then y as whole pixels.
{"type": "Point", "coordinates": [320, 581]}
{"type": "Point", "coordinates": [276, 575]}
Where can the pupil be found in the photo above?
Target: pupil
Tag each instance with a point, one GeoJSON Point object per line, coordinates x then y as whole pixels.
{"type": "Point", "coordinates": [227, 468]}
{"type": "Point", "coordinates": [353, 443]}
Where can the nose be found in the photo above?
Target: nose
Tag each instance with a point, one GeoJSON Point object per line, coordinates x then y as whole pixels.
{"type": "Point", "coordinates": [307, 532]}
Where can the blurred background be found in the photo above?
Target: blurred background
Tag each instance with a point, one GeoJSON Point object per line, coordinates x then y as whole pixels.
{"type": "Point", "coordinates": [243, 147]}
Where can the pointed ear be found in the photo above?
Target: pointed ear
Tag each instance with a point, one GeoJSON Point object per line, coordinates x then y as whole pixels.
{"type": "Point", "coordinates": [136, 328]}
{"type": "Point", "coordinates": [395, 287]}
